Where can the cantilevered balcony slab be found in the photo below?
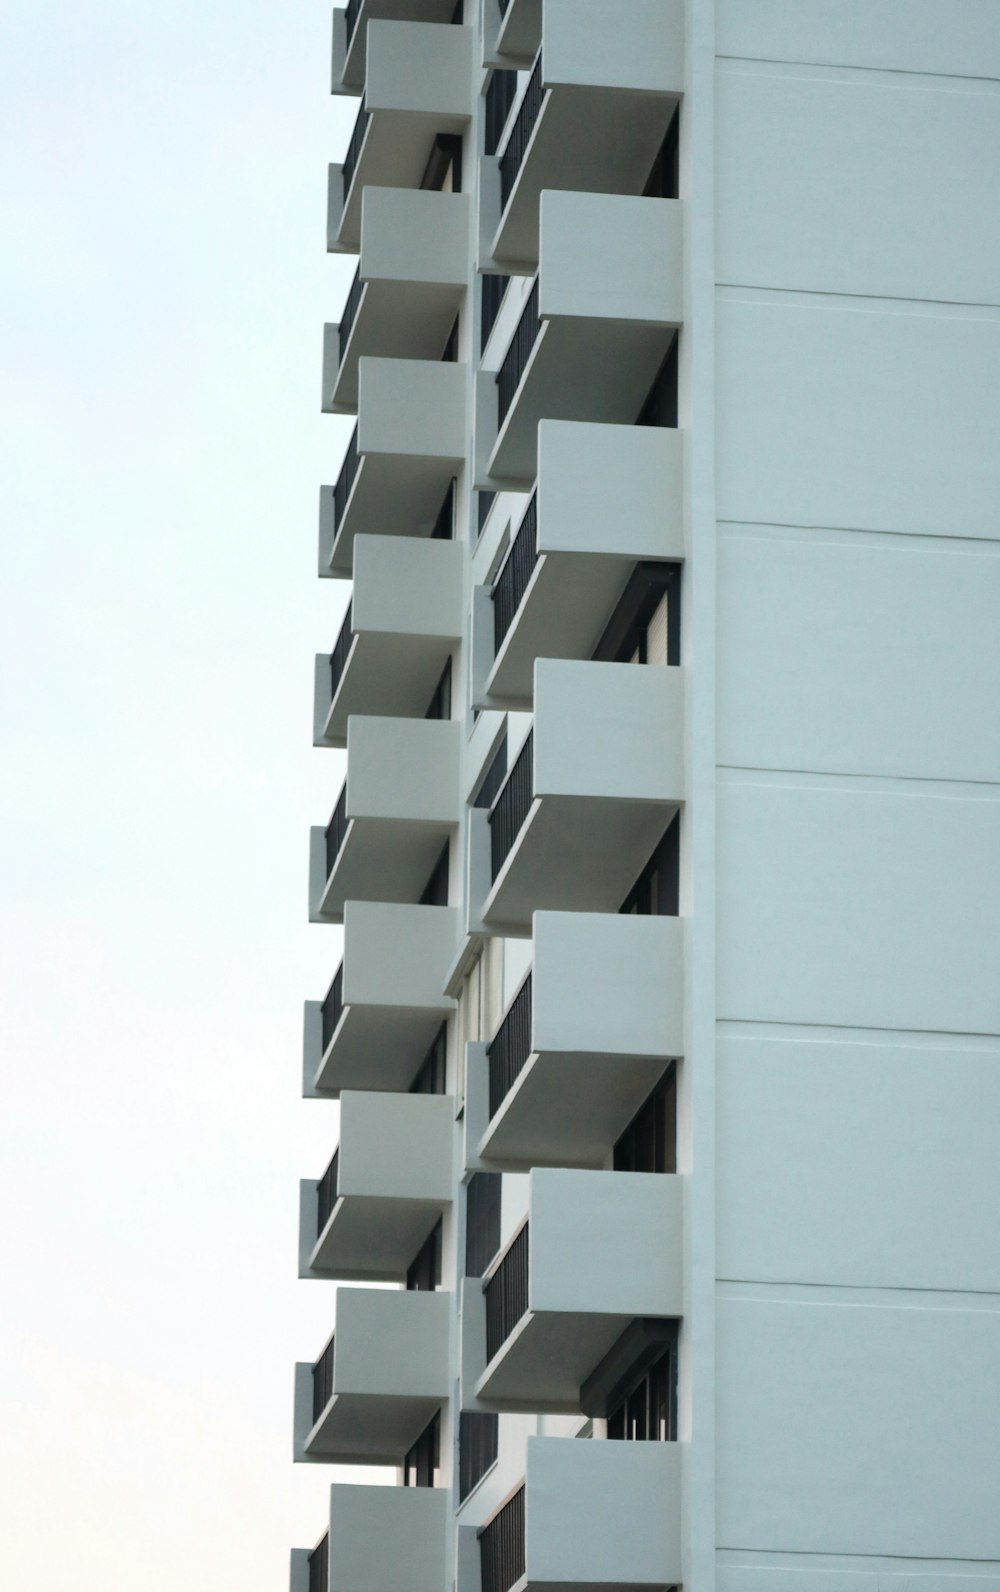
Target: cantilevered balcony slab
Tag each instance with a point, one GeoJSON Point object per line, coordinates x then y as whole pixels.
{"type": "Point", "coordinates": [609, 299]}
{"type": "Point", "coordinates": [406, 451]}
{"type": "Point", "coordinates": [388, 1183]}
{"type": "Point", "coordinates": [512, 32]}
{"type": "Point", "coordinates": [607, 497]}
{"type": "Point", "coordinates": [598, 1251]}
{"type": "Point", "coordinates": [410, 282]}
{"type": "Point", "coordinates": [389, 1374]}
{"type": "Point", "coordinates": [591, 1516]}
{"type": "Point", "coordinates": [397, 810]}
{"type": "Point", "coordinates": [583, 1043]}
{"type": "Point", "coordinates": [350, 34]}
{"type": "Point", "coordinates": [387, 1538]}
{"type": "Point", "coordinates": [590, 794]}
{"type": "Point", "coordinates": [418, 86]}
{"type": "Point", "coordinates": [403, 623]}
{"type": "Point", "coordinates": [385, 1004]}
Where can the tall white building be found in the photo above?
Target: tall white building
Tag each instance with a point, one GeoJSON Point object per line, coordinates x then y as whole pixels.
{"type": "Point", "coordinates": [668, 860]}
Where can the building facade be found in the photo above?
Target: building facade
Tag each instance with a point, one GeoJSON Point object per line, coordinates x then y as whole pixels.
{"type": "Point", "coordinates": [666, 1031]}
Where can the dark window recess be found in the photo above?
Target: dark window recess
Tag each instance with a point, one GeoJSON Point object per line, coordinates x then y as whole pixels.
{"type": "Point", "coordinates": [444, 525]}
{"type": "Point", "coordinates": [456, 15]}
{"type": "Point", "coordinates": [515, 360]}
{"type": "Point", "coordinates": [443, 173]}
{"type": "Point", "coordinates": [350, 23]}
{"type": "Point", "coordinates": [649, 1143]}
{"type": "Point", "coordinates": [520, 134]}
{"type": "Point", "coordinates": [493, 778]}
{"type": "Point", "coordinates": [439, 706]}
{"type": "Point", "coordinates": [350, 165]}
{"type": "Point", "coordinates": [422, 1465]}
{"type": "Point", "coordinates": [319, 1566]}
{"type": "Point", "coordinates": [660, 404]}
{"type": "Point", "coordinates": [635, 1385]}
{"type": "Point", "coordinates": [478, 1444]}
{"type": "Point", "coordinates": [663, 181]}
{"type": "Point", "coordinates": [513, 804]}
{"type": "Point", "coordinates": [332, 1007]}
{"type": "Point", "coordinates": [500, 94]}
{"type": "Point", "coordinates": [483, 506]}
{"type": "Point", "coordinates": [510, 1047]}
{"type": "Point", "coordinates": [494, 288]}
{"type": "Point", "coordinates": [656, 892]}
{"type": "Point", "coordinates": [424, 1272]}
{"type": "Point", "coordinates": [326, 1193]}
{"type": "Point", "coordinates": [512, 582]}
{"type": "Point", "coordinates": [482, 1221]}
{"type": "Point", "coordinates": [322, 1381]}
{"type": "Point", "coordinates": [646, 624]}
{"type": "Point", "coordinates": [648, 1412]}
{"type": "Point", "coordinates": [507, 1294]}
{"type": "Point", "coordinates": [450, 354]}
{"type": "Point", "coordinates": [501, 1546]}
{"type": "Point", "coordinates": [430, 1078]}
{"type": "Point", "coordinates": [336, 829]}
{"type": "Point", "coordinates": [436, 889]}
{"type": "Point", "coordinates": [345, 480]}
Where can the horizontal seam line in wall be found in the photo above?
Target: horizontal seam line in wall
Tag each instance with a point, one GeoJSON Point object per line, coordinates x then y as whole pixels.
{"type": "Point", "coordinates": [841, 773]}
{"type": "Point", "coordinates": [853, 66]}
{"type": "Point", "coordinates": [863, 1558]}
{"type": "Point", "coordinates": [840, 293]}
{"type": "Point", "coordinates": [865, 530]}
{"type": "Point", "coordinates": [856, 1028]}
{"type": "Point", "coordinates": [858, 1287]}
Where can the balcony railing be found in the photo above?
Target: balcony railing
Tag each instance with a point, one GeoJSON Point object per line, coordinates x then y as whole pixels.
{"type": "Point", "coordinates": [507, 1294]}
{"type": "Point", "coordinates": [338, 657]}
{"type": "Point", "coordinates": [332, 1007]}
{"type": "Point", "coordinates": [512, 582]}
{"type": "Point", "coordinates": [500, 96]}
{"type": "Point", "coordinates": [326, 1193]}
{"type": "Point", "coordinates": [520, 133]}
{"type": "Point", "coordinates": [510, 1048]}
{"type": "Point", "coordinates": [501, 1546]}
{"type": "Point", "coordinates": [494, 288]}
{"type": "Point", "coordinates": [512, 806]}
{"type": "Point", "coordinates": [319, 1566]}
{"type": "Point", "coordinates": [516, 358]}
{"type": "Point", "coordinates": [322, 1381]}
{"type": "Point", "coordinates": [345, 480]}
{"type": "Point", "coordinates": [336, 829]}
{"type": "Point", "coordinates": [350, 312]}
{"type": "Point", "coordinates": [354, 148]}
{"type": "Point", "coordinates": [351, 21]}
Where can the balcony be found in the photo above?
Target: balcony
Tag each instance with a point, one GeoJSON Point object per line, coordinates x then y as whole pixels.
{"type": "Point", "coordinates": [590, 1515]}
{"type": "Point", "coordinates": [607, 498]}
{"type": "Point", "coordinates": [512, 32]}
{"type": "Point", "coordinates": [595, 330]}
{"type": "Point", "coordinates": [350, 34]}
{"type": "Point", "coordinates": [598, 1251]}
{"type": "Point", "coordinates": [587, 797]}
{"type": "Point", "coordinates": [376, 1530]}
{"type": "Point", "coordinates": [593, 114]}
{"type": "Point", "coordinates": [379, 1380]}
{"type": "Point", "coordinates": [404, 620]}
{"type": "Point", "coordinates": [396, 810]}
{"type": "Point", "coordinates": [385, 1004]}
{"type": "Point", "coordinates": [418, 86]}
{"type": "Point", "coordinates": [405, 452]}
{"type": "Point", "coordinates": [387, 1185]}
{"type": "Point", "coordinates": [582, 1044]}
{"type": "Point", "coordinates": [410, 282]}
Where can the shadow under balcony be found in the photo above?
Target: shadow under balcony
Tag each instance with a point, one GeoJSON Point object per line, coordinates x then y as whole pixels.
{"type": "Point", "coordinates": [385, 1004]}
{"type": "Point", "coordinates": [376, 1531]}
{"type": "Point", "coordinates": [379, 1380]}
{"type": "Point", "coordinates": [388, 1183]}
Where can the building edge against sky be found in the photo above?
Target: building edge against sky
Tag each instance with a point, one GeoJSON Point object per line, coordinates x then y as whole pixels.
{"type": "Point", "coordinates": [667, 1032]}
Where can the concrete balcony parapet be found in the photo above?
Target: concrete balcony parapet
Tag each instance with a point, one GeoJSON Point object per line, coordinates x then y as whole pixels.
{"type": "Point", "coordinates": [350, 34]}
{"type": "Point", "coordinates": [385, 1537]}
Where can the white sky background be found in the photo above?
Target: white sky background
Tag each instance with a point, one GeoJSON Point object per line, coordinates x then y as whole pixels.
{"type": "Point", "coordinates": [163, 284]}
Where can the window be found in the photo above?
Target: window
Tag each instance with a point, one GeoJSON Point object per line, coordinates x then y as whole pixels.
{"type": "Point", "coordinates": [649, 1143]}
{"type": "Point", "coordinates": [493, 778]}
{"type": "Point", "coordinates": [444, 525]}
{"type": "Point", "coordinates": [656, 892]}
{"type": "Point", "coordinates": [494, 288]}
{"type": "Point", "coordinates": [478, 1444]}
{"type": "Point", "coordinates": [431, 1076]}
{"type": "Point", "coordinates": [424, 1272]}
{"type": "Point", "coordinates": [450, 354]}
{"type": "Point", "coordinates": [482, 1221]}
{"type": "Point", "coordinates": [422, 1465]}
{"type": "Point", "coordinates": [660, 405]}
{"type": "Point", "coordinates": [646, 624]}
{"type": "Point", "coordinates": [436, 889]}
{"type": "Point", "coordinates": [484, 504]}
{"type": "Point", "coordinates": [480, 1003]}
{"type": "Point", "coordinates": [444, 169]}
{"type": "Point", "coordinates": [439, 706]}
{"type": "Point", "coordinates": [647, 1412]}
{"type": "Point", "coordinates": [663, 181]}
{"type": "Point", "coordinates": [501, 91]}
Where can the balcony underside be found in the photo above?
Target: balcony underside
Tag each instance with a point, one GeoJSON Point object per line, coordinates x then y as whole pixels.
{"type": "Point", "coordinates": [395, 320]}
{"type": "Point", "coordinates": [581, 368]}
{"type": "Point", "coordinates": [378, 1047]}
{"type": "Point", "coordinates": [589, 140]}
{"type": "Point", "coordinates": [567, 1108]}
{"type": "Point", "coordinates": [521, 31]}
{"type": "Point", "coordinates": [369, 1428]}
{"type": "Point", "coordinates": [547, 1358]}
{"type": "Point", "coordinates": [575, 854]}
{"type": "Point", "coordinates": [394, 494]}
{"type": "Point", "coordinates": [382, 859]}
{"type": "Point", "coordinates": [387, 676]}
{"type": "Point", "coordinates": [563, 614]}
{"type": "Point", "coordinates": [371, 1238]}
{"type": "Point", "coordinates": [395, 152]}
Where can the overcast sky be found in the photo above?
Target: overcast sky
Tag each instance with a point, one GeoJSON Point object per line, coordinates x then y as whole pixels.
{"type": "Point", "coordinates": [163, 287]}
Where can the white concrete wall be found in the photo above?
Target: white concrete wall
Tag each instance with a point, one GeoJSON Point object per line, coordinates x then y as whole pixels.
{"type": "Point", "coordinates": [592, 730]}
{"type": "Point", "coordinates": [610, 489]}
{"type": "Point", "coordinates": [412, 407]}
{"type": "Point", "coordinates": [606, 983]}
{"type": "Point", "coordinates": [611, 257]}
{"type": "Point", "coordinates": [412, 235]}
{"type": "Point", "coordinates": [397, 955]}
{"type": "Point", "coordinates": [396, 1145]}
{"type": "Point", "coordinates": [607, 1242]}
{"type": "Point", "coordinates": [583, 41]}
{"type": "Point", "coordinates": [407, 585]}
{"type": "Point", "coordinates": [403, 769]}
